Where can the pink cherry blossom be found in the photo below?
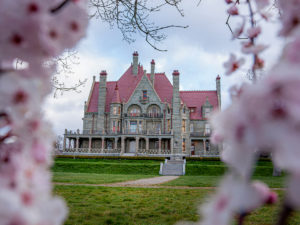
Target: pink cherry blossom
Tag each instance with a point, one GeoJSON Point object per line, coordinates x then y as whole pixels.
{"type": "Point", "coordinates": [253, 32]}
{"type": "Point", "coordinates": [249, 48]}
{"type": "Point", "coordinates": [233, 10]}
{"type": "Point", "coordinates": [261, 4]}
{"type": "Point", "coordinates": [233, 64]}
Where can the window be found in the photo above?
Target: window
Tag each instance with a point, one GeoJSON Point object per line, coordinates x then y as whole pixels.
{"type": "Point", "coordinates": [183, 144]}
{"type": "Point", "coordinates": [169, 125]}
{"type": "Point", "coordinates": [192, 110]}
{"type": "Point", "coordinates": [207, 129]}
{"type": "Point", "coordinates": [207, 112]}
{"type": "Point", "coordinates": [183, 110]}
{"type": "Point", "coordinates": [133, 126]}
{"type": "Point", "coordinates": [134, 110]}
{"type": "Point", "coordinates": [140, 126]}
{"type": "Point", "coordinates": [119, 110]}
{"type": "Point", "coordinates": [114, 126]}
{"type": "Point", "coordinates": [145, 95]}
{"type": "Point", "coordinates": [183, 126]}
{"type": "Point", "coordinates": [153, 111]}
{"type": "Point", "coordinates": [115, 108]}
{"type": "Point", "coordinates": [207, 145]}
{"type": "Point", "coordinates": [191, 127]}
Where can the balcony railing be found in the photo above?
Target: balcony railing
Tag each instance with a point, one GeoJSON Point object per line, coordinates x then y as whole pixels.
{"type": "Point", "coordinates": [144, 115]}
{"type": "Point", "coordinates": [119, 132]}
{"type": "Point", "coordinates": [202, 133]}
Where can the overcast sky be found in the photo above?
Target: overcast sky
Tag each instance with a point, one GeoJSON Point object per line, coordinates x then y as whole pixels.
{"type": "Point", "coordinates": [198, 52]}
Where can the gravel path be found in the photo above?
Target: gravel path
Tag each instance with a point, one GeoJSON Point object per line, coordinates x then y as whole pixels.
{"type": "Point", "coordinates": [146, 181]}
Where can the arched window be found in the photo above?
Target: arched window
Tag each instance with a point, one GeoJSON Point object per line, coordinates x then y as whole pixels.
{"type": "Point", "coordinates": [153, 111]}
{"type": "Point", "coordinates": [134, 110]}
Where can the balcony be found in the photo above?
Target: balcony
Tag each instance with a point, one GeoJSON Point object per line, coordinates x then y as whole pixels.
{"type": "Point", "coordinates": [201, 133]}
{"type": "Point", "coordinates": [144, 115]}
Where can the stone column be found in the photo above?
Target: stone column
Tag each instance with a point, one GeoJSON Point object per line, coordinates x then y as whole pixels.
{"type": "Point", "coordinates": [172, 144]}
{"type": "Point", "coordinates": [147, 144]}
{"type": "Point", "coordinates": [116, 143]}
{"type": "Point", "coordinates": [90, 144]}
{"type": "Point", "coordinates": [103, 144]}
{"type": "Point", "coordinates": [204, 146]}
{"type": "Point", "coordinates": [137, 144]}
{"type": "Point", "coordinates": [159, 146]}
{"type": "Point", "coordinates": [122, 145]}
{"type": "Point", "coordinates": [77, 143]}
{"type": "Point", "coordinates": [64, 144]}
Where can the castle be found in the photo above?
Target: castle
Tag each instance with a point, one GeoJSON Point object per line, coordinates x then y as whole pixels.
{"type": "Point", "coordinates": [144, 114]}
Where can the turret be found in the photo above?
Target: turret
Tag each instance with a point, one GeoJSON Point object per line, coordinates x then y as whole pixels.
{"type": "Point", "coordinates": [101, 101]}
{"type": "Point", "coordinates": [135, 61]}
{"type": "Point", "coordinates": [152, 72]}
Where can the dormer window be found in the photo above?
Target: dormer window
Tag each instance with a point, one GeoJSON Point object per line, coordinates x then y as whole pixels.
{"type": "Point", "coordinates": [192, 110]}
{"type": "Point", "coordinates": [207, 112]}
{"type": "Point", "coordinates": [145, 95]}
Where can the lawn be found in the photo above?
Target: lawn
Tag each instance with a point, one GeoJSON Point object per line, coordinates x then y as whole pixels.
{"type": "Point", "coordinates": [106, 205]}
{"type": "Point", "coordinates": [93, 178]}
{"type": "Point", "coordinates": [124, 205]}
{"type": "Point", "coordinates": [212, 181]}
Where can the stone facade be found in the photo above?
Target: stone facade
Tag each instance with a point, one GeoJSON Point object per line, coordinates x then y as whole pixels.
{"type": "Point", "coordinates": [144, 114]}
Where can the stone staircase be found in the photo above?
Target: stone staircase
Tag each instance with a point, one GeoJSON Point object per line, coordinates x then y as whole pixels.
{"type": "Point", "coordinates": [173, 167]}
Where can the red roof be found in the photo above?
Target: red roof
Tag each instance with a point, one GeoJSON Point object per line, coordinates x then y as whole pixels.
{"type": "Point", "coordinates": [195, 99]}
{"type": "Point", "coordinates": [128, 82]}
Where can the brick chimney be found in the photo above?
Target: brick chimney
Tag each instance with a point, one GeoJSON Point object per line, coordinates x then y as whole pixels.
{"type": "Point", "coordinates": [152, 72]}
{"type": "Point", "coordinates": [135, 62]}
{"type": "Point", "coordinates": [176, 101]}
{"type": "Point", "coordinates": [101, 101]}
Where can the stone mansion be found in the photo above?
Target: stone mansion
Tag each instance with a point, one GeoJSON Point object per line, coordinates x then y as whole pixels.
{"type": "Point", "coordinates": [144, 114]}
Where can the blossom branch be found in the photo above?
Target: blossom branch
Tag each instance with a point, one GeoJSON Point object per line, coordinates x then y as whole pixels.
{"type": "Point", "coordinates": [59, 7]}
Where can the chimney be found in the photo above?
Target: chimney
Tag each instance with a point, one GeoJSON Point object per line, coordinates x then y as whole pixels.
{"type": "Point", "coordinates": [218, 87]}
{"type": "Point", "coordinates": [135, 60]}
{"type": "Point", "coordinates": [152, 72]}
{"type": "Point", "coordinates": [176, 126]}
{"type": "Point", "coordinates": [101, 101]}
{"type": "Point", "coordinates": [94, 78]}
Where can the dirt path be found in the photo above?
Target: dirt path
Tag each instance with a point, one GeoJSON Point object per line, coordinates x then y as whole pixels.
{"type": "Point", "coordinates": [145, 183]}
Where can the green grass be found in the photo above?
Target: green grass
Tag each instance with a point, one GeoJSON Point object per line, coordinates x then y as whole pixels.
{"type": "Point", "coordinates": [145, 167]}
{"type": "Point", "coordinates": [212, 181]}
{"type": "Point", "coordinates": [92, 178]}
{"type": "Point", "coordinates": [103, 205]}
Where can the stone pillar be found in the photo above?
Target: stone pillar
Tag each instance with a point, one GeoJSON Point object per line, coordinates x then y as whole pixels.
{"type": "Point", "coordinates": [204, 146]}
{"type": "Point", "coordinates": [116, 143]}
{"type": "Point", "coordinates": [122, 145]}
{"type": "Point", "coordinates": [103, 144]}
{"type": "Point", "coordinates": [172, 144]}
{"type": "Point", "coordinates": [64, 144]}
{"type": "Point", "coordinates": [159, 146]}
{"type": "Point", "coordinates": [147, 144]}
{"type": "Point", "coordinates": [90, 144]}
{"type": "Point", "coordinates": [77, 143]}
{"type": "Point", "coordinates": [177, 123]}
{"type": "Point", "coordinates": [137, 144]}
